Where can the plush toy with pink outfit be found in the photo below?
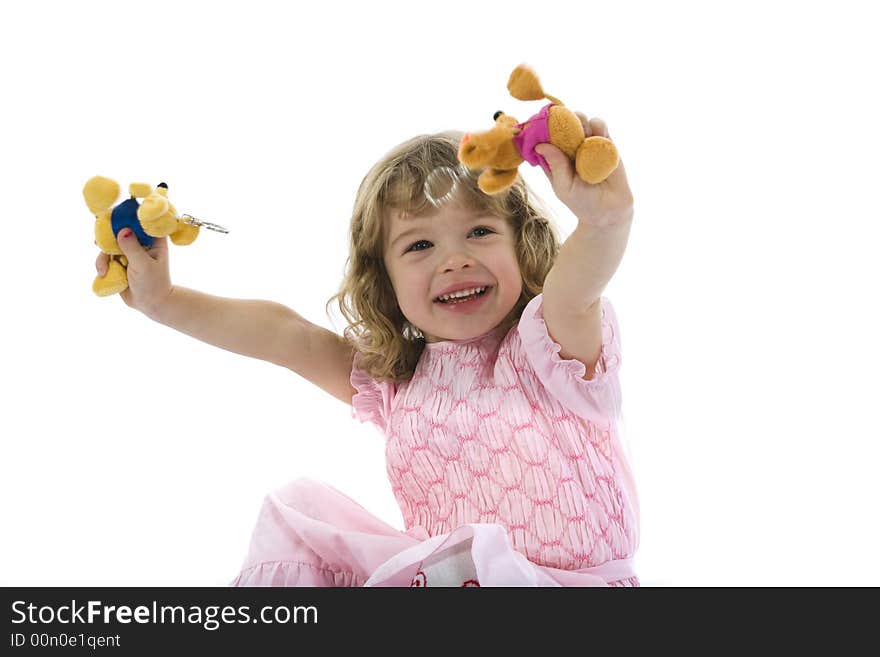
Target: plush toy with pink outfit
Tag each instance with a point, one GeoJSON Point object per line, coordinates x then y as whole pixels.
{"type": "Point", "coordinates": [500, 150]}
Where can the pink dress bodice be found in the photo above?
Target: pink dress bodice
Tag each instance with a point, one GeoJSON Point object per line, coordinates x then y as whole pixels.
{"type": "Point", "coordinates": [500, 429]}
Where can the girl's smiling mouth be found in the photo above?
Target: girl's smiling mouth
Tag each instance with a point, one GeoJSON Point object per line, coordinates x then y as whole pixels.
{"type": "Point", "coordinates": [465, 300]}
{"type": "Point", "coordinates": [463, 294]}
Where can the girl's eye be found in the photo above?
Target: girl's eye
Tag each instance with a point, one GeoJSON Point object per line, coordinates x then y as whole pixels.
{"type": "Point", "coordinates": [414, 246]}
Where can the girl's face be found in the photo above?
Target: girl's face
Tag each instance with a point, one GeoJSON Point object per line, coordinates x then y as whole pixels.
{"type": "Point", "coordinates": [451, 249]}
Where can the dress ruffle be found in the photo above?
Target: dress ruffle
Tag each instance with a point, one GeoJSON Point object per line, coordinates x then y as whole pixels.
{"type": "Point", "coordinates": [596, 399]}
{"type": "Point", "coordinates": [310, 534]}
{"type": "Point", "coordinates": [290, 573]}
{"type": "Point", "coordinates": [372, 401]}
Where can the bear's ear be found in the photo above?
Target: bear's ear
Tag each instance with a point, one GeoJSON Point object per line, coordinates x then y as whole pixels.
{"type": "Point", "coordinates": [506, 120]}
{"type": "Point", "coordinates": [153, 207]}
{"type": "Point", "coordinates": [100, 194]}
{"type": "Point", "coordinates": [139, 190]}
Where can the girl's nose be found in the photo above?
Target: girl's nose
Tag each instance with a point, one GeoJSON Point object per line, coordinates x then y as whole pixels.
{"type": "Point", "coordinates": [457, 260]}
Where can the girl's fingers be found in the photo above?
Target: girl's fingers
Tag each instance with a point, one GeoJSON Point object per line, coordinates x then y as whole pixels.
{"type": "Point", "coordinates": [101, 263]}
{"type": "Point", "coordinates": [617, 180]}
{"type": "Point", "coordinates": [593, 127]}
{"type": "Point", "coordinates": [588, 130]}
{"type": "Point", "coordinates": [159, 250]}
{"type": "Point", "coordinates": [599, 128]}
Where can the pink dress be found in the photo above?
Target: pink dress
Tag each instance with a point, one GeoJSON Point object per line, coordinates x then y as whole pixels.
{"type": "Point", "coordinates": [508, 467]}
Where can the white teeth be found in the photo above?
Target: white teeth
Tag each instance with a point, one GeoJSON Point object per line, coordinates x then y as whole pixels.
{"type": "Point", "coordinates": [461, 293]}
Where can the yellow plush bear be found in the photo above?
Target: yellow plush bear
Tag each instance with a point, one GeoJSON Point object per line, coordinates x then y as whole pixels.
{"type": "Point", "coordinates": [502, 149]}
{"type": "Point", "coordinates": [155, 217]}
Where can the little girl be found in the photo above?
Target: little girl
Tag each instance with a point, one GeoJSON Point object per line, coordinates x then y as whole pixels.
{"type": "Point", "coordinates": [485, 354]}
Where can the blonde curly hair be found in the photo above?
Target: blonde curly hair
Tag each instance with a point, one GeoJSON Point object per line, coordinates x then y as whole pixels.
{"type": "Point", "coordinates": [388, 343]}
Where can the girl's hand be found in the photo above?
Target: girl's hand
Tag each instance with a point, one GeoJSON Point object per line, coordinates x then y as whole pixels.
{"type": "Point", "coordinates": [607, 203]}
{"type": "Point", "coordinates": [149, 280]}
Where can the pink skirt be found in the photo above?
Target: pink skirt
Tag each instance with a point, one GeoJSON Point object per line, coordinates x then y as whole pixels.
{"type": "Point", "coordinates": [310, 534]}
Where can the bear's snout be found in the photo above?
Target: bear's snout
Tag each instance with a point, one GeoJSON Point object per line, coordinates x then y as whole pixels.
{"type": "Point", "coordinates": [466, 148]}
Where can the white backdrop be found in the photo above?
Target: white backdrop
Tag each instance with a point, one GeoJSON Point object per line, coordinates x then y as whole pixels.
{"type": "Point", "coordinates": [133, 455]}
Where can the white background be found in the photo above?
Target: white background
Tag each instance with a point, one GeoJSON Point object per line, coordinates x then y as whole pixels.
{"type": "Point", "coordinates": [747, 299]}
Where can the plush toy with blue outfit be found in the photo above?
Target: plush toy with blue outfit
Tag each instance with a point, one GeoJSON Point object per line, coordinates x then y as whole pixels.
{"type": "Point", "coordinates": [154, 217]}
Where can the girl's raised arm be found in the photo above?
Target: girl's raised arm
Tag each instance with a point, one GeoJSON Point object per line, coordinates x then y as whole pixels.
{"type": "Point", "coordinates": [325, 359]}
{"type": "Point", "coordinates": [260, 329]}
{"type": "Point", "coordinates": [266, 330]}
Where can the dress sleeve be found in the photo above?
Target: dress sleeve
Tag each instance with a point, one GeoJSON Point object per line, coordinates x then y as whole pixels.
{"type": "Point", "coordinates": [372, 401]}
{"type": "Point", "coordinates": [596, 400]}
